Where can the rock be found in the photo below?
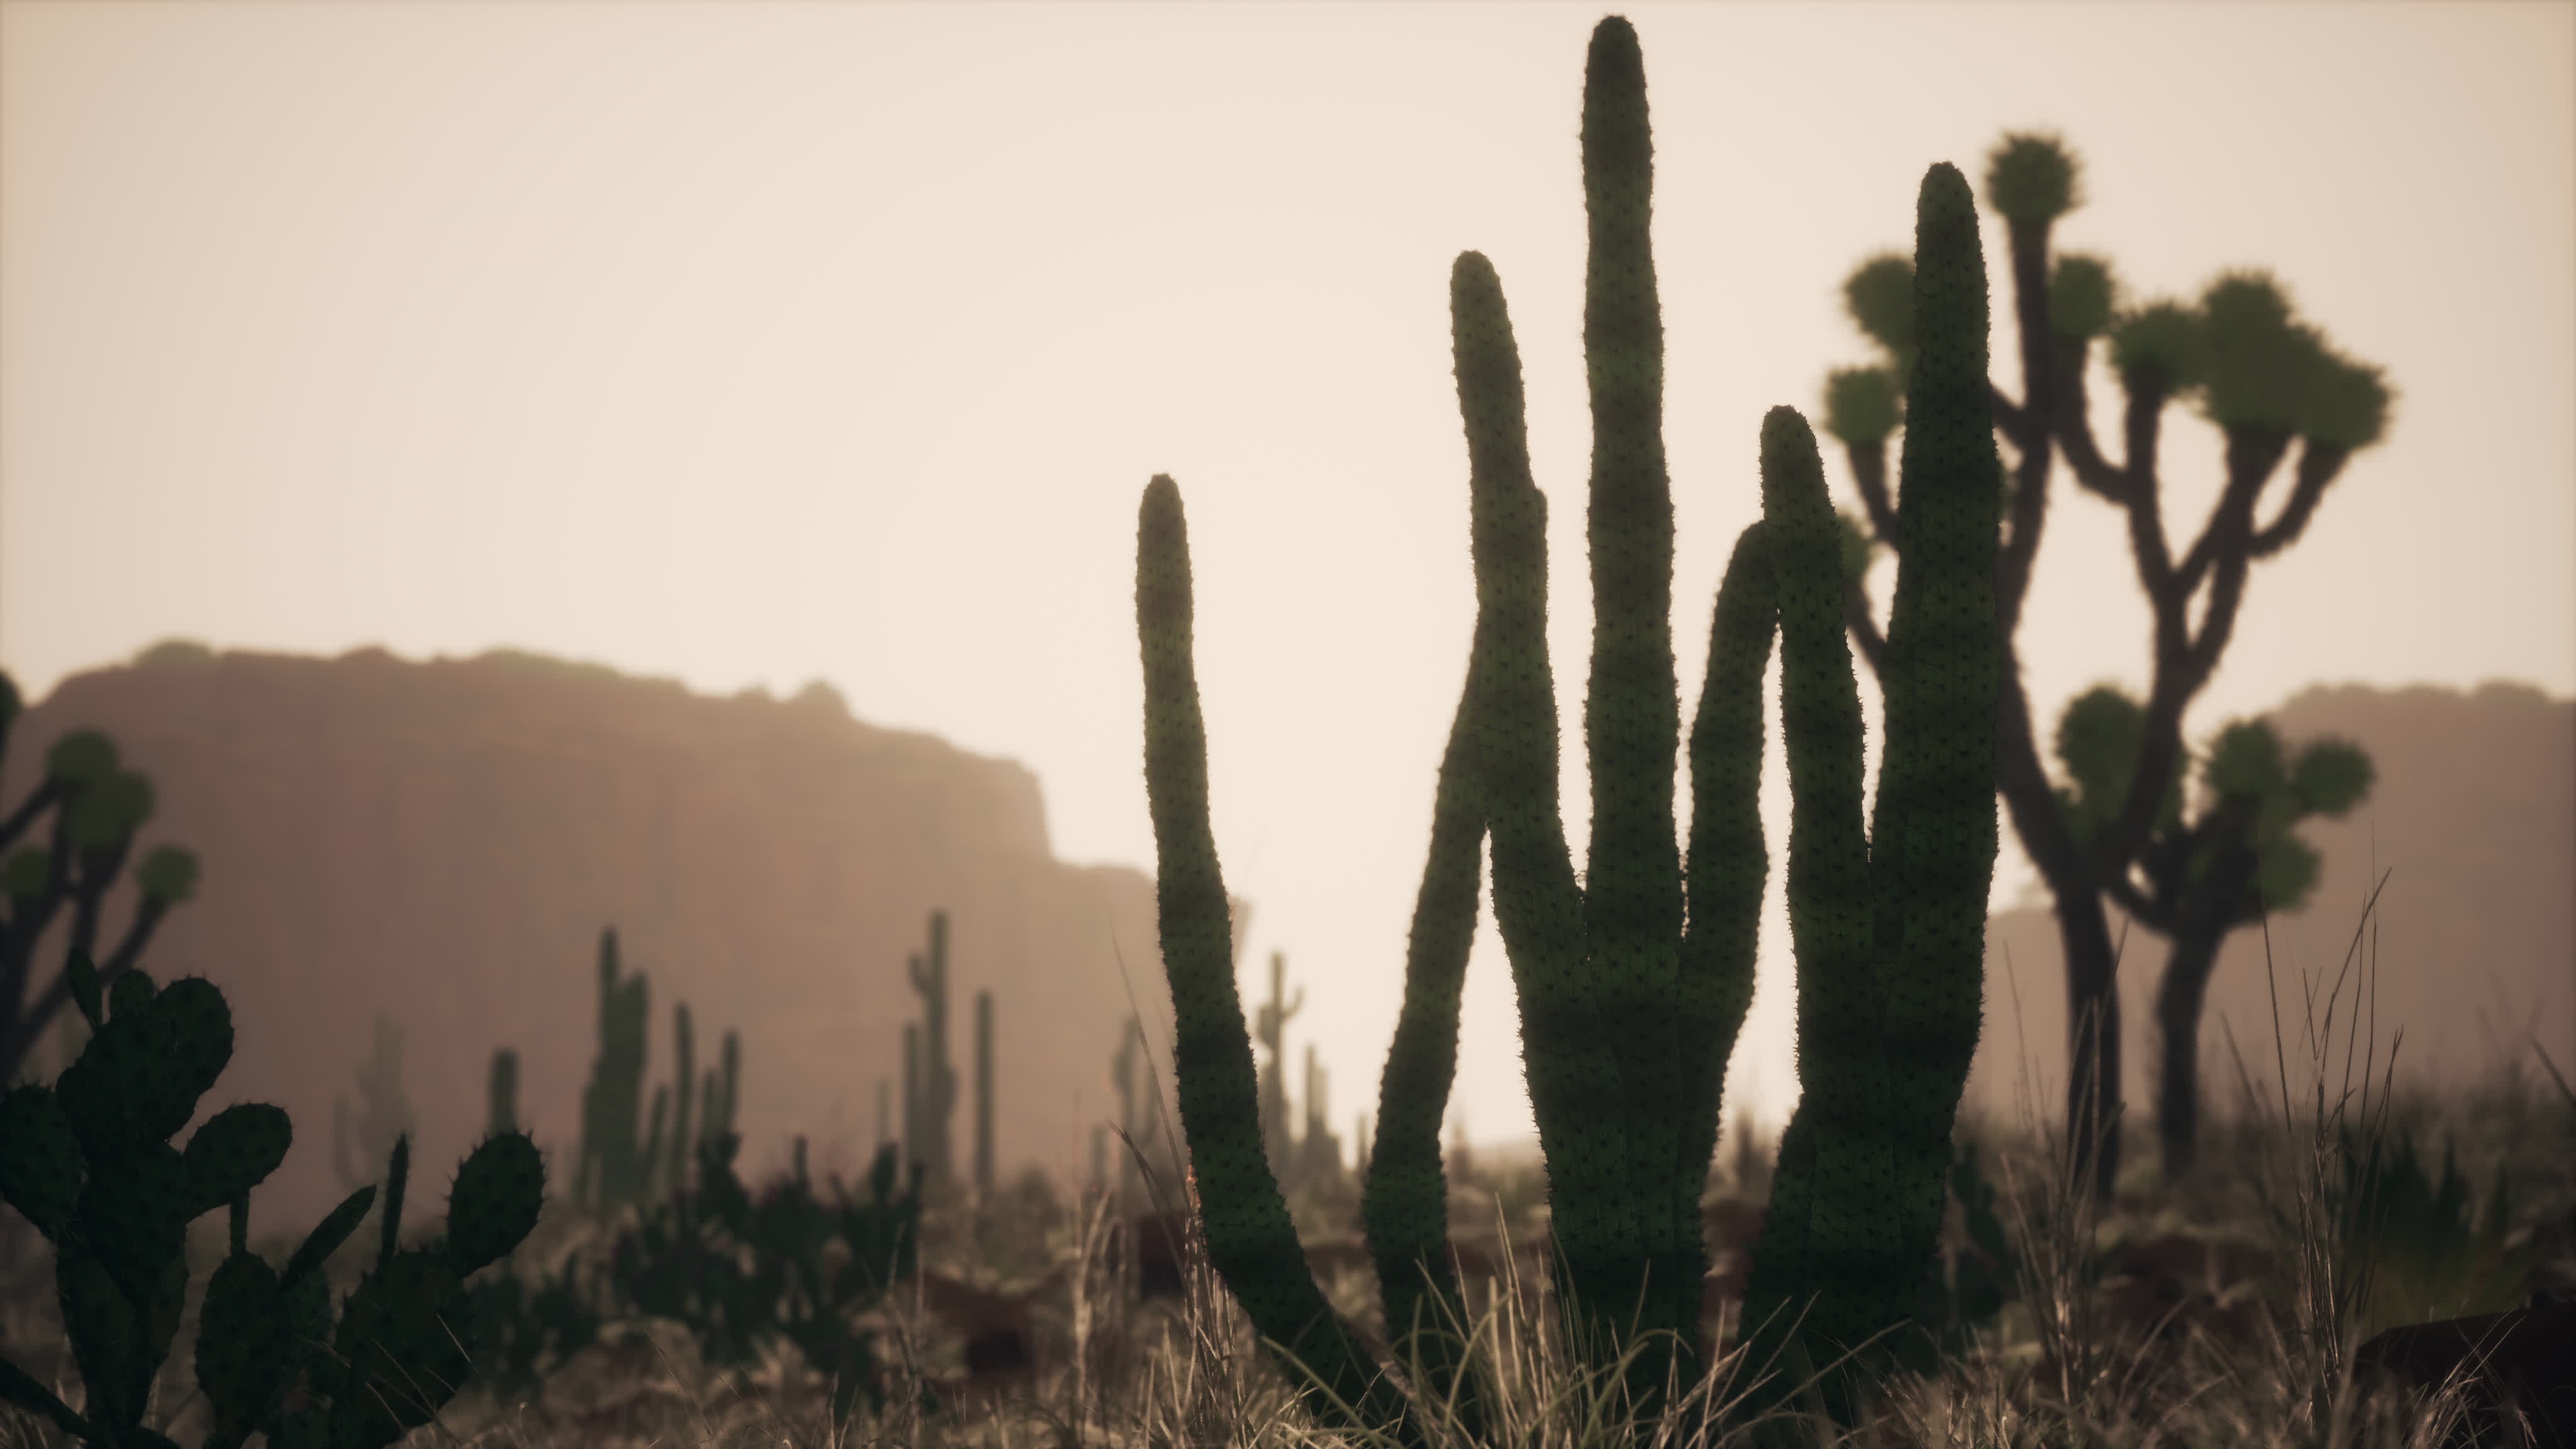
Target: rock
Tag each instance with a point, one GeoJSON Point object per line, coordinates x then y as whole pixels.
{"type": "Point", "coordinates": [2526, 1355]}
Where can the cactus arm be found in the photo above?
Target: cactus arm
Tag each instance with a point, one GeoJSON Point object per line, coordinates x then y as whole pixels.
{"type": "Point", "coordinates": [1840, 1168]}
{"type": "Point", "coordinates": [1405, 1205]}
{"type": "Point", "coordinates": [1943, 639]}
{"type": "Point", "coordinates": [1573, 1073]}
{"type": "Point", "coordinates": [1632, 880]}
{"type": "Point", "coordinates": [1251, 1240]}
{"type": "Point", "coordinates": [1727, 868]}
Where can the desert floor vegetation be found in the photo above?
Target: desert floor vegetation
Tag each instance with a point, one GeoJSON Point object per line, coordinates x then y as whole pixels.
{"type": "Point", "coordinates": [2225, 1310]}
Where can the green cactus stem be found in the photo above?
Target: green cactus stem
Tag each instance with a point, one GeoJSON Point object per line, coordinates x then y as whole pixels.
{"type": "Point", "coordinates": [1633, 979]}
{"type": "Point", "coordinates": [1270, 1029]}
{"type": "Point", "coordinates": [684, 1084]}
{"type": "Point", "coordinates": [936, 1089]}
{"type": "Point", "coordinates": [503, 1093]}
{"type": "Point", "coordinates": [1890, 927]}
{"type": "Point", "coordinates": [1251, 1241]}
{"type": "Point", "coordinates": [1404, 1204]}
{"type": "Point", "coordinates": [983, 1096]}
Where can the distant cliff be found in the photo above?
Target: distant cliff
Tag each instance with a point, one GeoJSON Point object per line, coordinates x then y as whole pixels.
{"type": "Point", "coordinates": [2473, 820]}
{"type": "Point", "coordinates": [443, 842]}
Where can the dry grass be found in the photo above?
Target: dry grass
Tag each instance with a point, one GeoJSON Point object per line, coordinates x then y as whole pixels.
{"type": "Point", "coordinates": [2263, 1357]}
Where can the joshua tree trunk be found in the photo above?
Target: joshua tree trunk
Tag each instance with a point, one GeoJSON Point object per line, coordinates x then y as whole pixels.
{"type": "Point", "coordinates": [2180, 999]}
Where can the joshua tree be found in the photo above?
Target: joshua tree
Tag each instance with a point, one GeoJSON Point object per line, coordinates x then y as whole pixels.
{"type": "Point", "coordinates": [97, 807]}
{"type": "Point", "coordinates": [2262, 377]}
{"type": "Point", "coordinates": [2226, 869]}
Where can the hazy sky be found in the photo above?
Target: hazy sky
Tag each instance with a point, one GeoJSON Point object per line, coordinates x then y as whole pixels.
{"type": "Point", "coordinates": [750, 345]}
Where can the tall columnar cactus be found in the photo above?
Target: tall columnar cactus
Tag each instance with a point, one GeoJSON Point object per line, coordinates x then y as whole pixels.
{"type": "Point", "coordinates": [616, 1167]}
{"type": "Point", "coordinates": [1633, 980]}
{"type": "Point", "coordinates": [720, 1094]}
{"type": "Point", "coordinates": [677, 1162]}
{"type": "Point", "coordinates": [363, 1141]}
{"type": "Point", "coordinates": [916, 1140]}
{"type": "Point", "coordinates": [502, 1096]}
{"type": "Point", "coordinates": [935, 1092]}
{"type": "Point", "coordinates": [1270, 1029]}
{"type": "Point", "coordinates": [983, 1096]}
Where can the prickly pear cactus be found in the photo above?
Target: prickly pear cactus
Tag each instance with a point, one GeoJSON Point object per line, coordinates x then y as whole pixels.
{"type": "Point", "coordinates": [744, 1272]}
{"type": "Point", "coordinates": [89, 1161]}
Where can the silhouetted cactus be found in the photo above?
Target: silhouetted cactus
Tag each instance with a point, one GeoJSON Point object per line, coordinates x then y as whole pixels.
{"type": "Point", "coordinates": [97, 807]}
{"type": "Point", "coordinates": [1633, 980]}
{"type": "Point", "coordinates": [502, 1094]}
{"type": "Point", "coordinates": [2264, 379]}
{"type": "Point", "coordinates": [930, 1080]}
{"type": "Point", "coordinates": [88, 1161]}
{"type": "Point", "coordinates": [742, 1272]}
{"type": "Point", "coordinates": [362, 1142]}
{"type": "Point", "coordinates": [983, 1096]}
{"type": "Point", "coordinates": [616, 1165]}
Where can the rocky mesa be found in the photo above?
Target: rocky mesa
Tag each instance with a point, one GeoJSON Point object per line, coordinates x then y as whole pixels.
{"type": "Point", "coordinates": [443, 842]}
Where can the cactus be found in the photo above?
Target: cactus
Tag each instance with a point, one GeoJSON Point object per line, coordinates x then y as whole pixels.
{"type": "Point", "coordinates": [1137, 1106]}
{"type": "Point", "coordinates": [2263, 379]}
{"type": "Point", "coordinates": [983, 1096]}
{"type": "Point", "coordinates": [930, 1081]}
{"type": "Point", "coordinates": [2225, 869]}
{"type": "Point", "coordinates": [2410, 1249]}
{"type": "Point", "coordinates": [503, 1093]}
{"type": "Point", "coordinates": [363, 1143]}
{"type": "Point", "coordinates": [916, 1141]}
{"type": "Point", "coordinates": [742, 1273]}
{"type": "Point", "coordinates": [675, 1163]}
{"type": "Point", "coordinates": [97, 808]}
{"type": "Point", "coordinates": [1271, 1031]}
{"type": "Point", "coordinates": [720, 1094]}
{"type": "Point", "coordinates": [615, 1167]}
{"type": "Point", "coordinates": [1634, 982]}
{"type": "Point", "coordinates": [1319, 1153]}
{"type": "Point", "coordinates": [88, 1161]}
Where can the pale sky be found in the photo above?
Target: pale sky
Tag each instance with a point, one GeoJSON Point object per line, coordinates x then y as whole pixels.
{"type": "Point", "coordinates": [750, 345]}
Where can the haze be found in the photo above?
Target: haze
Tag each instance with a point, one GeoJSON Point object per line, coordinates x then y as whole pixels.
{"type": "Point", "coordinates": [751, 345]}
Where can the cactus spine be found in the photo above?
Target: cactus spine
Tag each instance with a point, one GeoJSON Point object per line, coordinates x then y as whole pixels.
{"type": "Point", "coordinates": [915, 1140]}
{"type": "Point", "coordinates": [1633, 981]}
